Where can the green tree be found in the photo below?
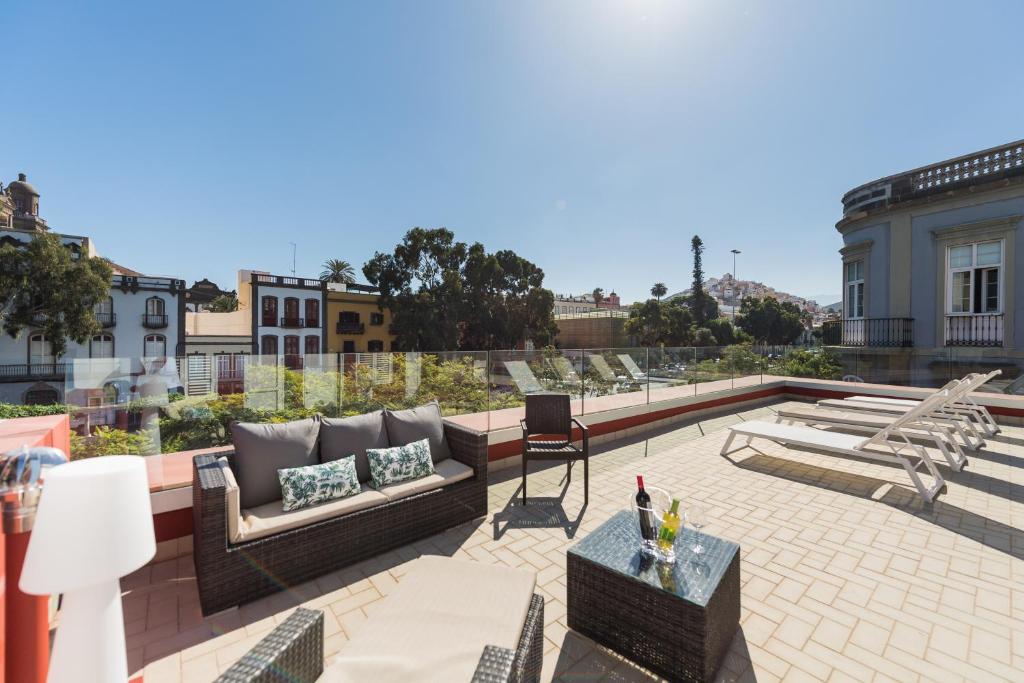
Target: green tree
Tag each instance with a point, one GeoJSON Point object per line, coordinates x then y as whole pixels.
{"type": "Point", "coordinates": [656, 323]}
{"type": "Point", "coordinates": [659, 290]}
{"type": "Point", "coordinates": [702, 306]}
{"type": "Point", "coordinates": [704, 337]}
{"type": "Point", "coordinates": [647, 322]}
{"type": "Point", "coordinates": [225, 303]}
{"type": "Point", "coordinates": [723, 331]}
{"type": "Point", "coordinates": [504, 301]}
{"type": "Point", "coordinates": [43, 285]}
{"type": "Point", "coordinates": [336, 270]}
{"type": "Point", "coordinates": [680, 323]}
{"type": "Point", "coordinates": [770, 322]}
{"type": "Point", "coordinates": [598, 295]}
{"type": "Point", "coordinates": [421, 283]}
{"type": "Point", "coordinates": [444, 295]}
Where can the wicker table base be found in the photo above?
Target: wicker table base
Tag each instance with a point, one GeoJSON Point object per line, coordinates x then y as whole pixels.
{"type": "Point", "coordinates": [676, 620]}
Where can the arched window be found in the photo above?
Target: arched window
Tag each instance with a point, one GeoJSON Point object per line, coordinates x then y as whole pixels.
{"type": "Point", "coordinates": [292, 359]}
{"type": "Point", "coordinates": [40, 395]}
{"type": "Point", "coordinates": [268, 344]}
{"type": "Point", "coordinates": [290, 318]}
{"type": "Point", "coordinates": [154, 346]}
{"type": "Point", "coordinates": [155, 315]}
{"type": "Point", "coordinates": [104, 311]}
{"type": "Point", "coordinates": [101, 346]}
{"type": "Point", "coordinates": [40, 351]}
{"type": "Point", "coordinates": [154, 306]}
{"type": "Point", "coordinates": [312, 313]}
{"type": "Point", "coordinates": [312, 345]}
{"type": "Point", "coordinates": [269, 308]}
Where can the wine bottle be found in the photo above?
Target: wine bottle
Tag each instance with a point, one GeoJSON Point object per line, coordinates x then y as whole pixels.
{"type": "Point", "coordinates": [669, 527]}
{"type": "Point", "coordinates": [643, 508]}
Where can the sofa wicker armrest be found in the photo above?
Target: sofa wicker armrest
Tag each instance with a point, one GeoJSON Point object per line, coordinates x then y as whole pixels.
{"type": "Point", "coordinates": [495, 665]}
{"type": "Point", "coordinates": [292, 653]}
{"type": "Point", "coordinates": [209, 503]}
{"type": "Point", "coordinates": [468, 446]}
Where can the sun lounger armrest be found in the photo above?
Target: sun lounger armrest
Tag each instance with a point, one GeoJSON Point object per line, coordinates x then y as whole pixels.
{"type": "Point", "coordinates": [294, 651]}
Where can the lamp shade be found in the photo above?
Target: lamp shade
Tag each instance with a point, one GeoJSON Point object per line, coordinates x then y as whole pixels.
{"type": "Point", "coordinates": [94, 524]}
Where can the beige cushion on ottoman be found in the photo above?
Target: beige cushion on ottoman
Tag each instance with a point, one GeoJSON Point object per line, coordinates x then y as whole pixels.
{"type": "Point", "coordinates": [435, 624]}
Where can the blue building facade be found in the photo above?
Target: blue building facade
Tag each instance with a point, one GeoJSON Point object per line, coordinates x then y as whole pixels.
{"type": "Point", "coordinates": [930, 256]}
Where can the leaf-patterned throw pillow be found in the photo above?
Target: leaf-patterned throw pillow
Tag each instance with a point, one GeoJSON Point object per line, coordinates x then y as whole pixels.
{"type": "Point", "coordinates": [400, 463]}
{"type": "Point", "coordinates": [304, 486]}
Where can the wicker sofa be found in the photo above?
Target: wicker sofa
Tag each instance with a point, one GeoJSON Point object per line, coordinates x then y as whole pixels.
{"type": "Point", "coordinates": [231, 571]}
{"type": "Point", "coordinates": [441, 623]}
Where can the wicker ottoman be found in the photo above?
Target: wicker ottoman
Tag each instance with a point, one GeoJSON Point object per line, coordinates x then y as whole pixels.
{"type": "Point", "coordinates": [675, 619]}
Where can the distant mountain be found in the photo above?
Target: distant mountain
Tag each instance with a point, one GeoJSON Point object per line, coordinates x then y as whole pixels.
{"type": "Point", "coordinates": [837, 307]}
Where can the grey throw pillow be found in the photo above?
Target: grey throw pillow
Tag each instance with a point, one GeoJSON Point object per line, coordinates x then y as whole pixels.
{"type": "Point", "coordinates": [263, 449]}
{"type": "Point", "coordinates": [422, 422]}
{"type": "Point", "coordinates": [341, 437]}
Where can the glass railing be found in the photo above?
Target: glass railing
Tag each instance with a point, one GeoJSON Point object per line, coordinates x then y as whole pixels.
{"type": "Point", "coordinates": [136, 405]}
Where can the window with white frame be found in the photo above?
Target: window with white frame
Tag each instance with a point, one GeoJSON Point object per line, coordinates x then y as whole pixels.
{"type": "Point", "coordinates": [155, 346]}
{"type": "Point", "coordinates": [974, 279]}
{"type": "Point", "coordinates": [101, 346]}
{"type": "Point", "coordinates": [855, 289]}
{"type": "Point", "coordinates": [40, 351]}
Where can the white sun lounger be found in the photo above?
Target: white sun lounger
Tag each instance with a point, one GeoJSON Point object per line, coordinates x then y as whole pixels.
{"type": "Point", "coordinates": [963, 402]}
{"type": "Point", "coordinates": [631, 367]}
{"type": "Point", "coordinates": [886, 445]}
{"type": "Point", "coordinates": [928, 431]}
{"type": "Point", "coordinates": [523, 377]}
{"type": "Point", "coordinates": [965, 423]}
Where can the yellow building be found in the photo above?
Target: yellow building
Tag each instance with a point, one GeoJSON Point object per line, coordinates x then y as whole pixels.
{"type": "Point", "coordinates": [355, 324]}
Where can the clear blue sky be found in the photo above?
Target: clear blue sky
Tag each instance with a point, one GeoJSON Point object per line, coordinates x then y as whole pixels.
{"type": "Point", "coordinates": [594, 138]}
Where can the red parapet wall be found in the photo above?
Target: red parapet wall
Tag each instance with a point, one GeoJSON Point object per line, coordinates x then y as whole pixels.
{"type": "Point", "coordinates": [23, 652]}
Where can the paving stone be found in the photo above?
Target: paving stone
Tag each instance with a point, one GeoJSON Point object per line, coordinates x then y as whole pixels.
{"type": "Point", "coordinates": [845, 575]}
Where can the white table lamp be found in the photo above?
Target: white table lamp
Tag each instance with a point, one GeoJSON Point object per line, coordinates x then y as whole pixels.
{"type": "Point", "coordinates": [94, 525]}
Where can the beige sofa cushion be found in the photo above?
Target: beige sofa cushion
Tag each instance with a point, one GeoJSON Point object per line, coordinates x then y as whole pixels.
{"type": "Point", "coordinates": [446, 472]}
{"type": "Point", "coordinates": [435, 624]}
{"type": "Point", "coordinates": [234, 511]}
{"type": "Point", "coordinates": [270, 518]}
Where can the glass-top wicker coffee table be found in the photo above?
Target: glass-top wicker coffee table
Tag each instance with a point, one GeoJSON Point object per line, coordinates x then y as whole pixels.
{"type": "Point", "coordinates": [675, 619]}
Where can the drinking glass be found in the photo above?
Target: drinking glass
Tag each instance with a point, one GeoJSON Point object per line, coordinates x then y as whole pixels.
{"type": "Point", "coordinates": [697, 518]}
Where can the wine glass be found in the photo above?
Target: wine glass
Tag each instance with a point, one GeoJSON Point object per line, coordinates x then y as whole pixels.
{"type": "Point", "coordinates": [697, 518]}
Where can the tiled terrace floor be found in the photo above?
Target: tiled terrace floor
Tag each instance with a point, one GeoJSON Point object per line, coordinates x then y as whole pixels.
{"type": "Point", "coordinates": [846, 574]}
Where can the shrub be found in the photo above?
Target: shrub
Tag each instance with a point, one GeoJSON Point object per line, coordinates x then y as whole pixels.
{"type": "Point", "coordinates": [820, 365]}
{"type": "Point", "coordinates": [10, 410]}
{"type": "Point", "coordinates": [107, 441]}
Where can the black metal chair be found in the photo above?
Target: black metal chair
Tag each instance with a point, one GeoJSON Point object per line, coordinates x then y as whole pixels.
{"type": "Point", "coordinates": [550, 416]}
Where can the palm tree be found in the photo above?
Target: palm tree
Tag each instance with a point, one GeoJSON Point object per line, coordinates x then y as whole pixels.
{"type": "Point", "coordinates": [336, 270]}
{"type": "Point", "coordinates": [598, 295]}
{"type": "Point", "coordinates": [659, 290]}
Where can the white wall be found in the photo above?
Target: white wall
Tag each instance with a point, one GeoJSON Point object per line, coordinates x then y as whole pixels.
{"type": "Point", "coordinates": [281, 332]}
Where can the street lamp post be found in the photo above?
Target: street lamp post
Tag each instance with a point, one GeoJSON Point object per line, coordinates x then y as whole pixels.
{"type": "Point", "coordinates": [734, 281]}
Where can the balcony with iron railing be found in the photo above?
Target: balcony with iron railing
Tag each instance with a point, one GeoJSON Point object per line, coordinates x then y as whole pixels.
{"type": "Point", "coordinates": [344, 327]}
{"type": "Point", "coordinates": [154, 321]}
{"type": "Point", "coordinates": [292, 322]}
{"type": "Point", "coordinates": [106, 319]}
{"type": "Point", "coordinates": [974, 329]}
{"type": "Point", "coordinates": [976, 168]}
{"type": "Point", "coordinates": [869, 332]}
{"type": "Point", "coordinates": [33, 372]}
